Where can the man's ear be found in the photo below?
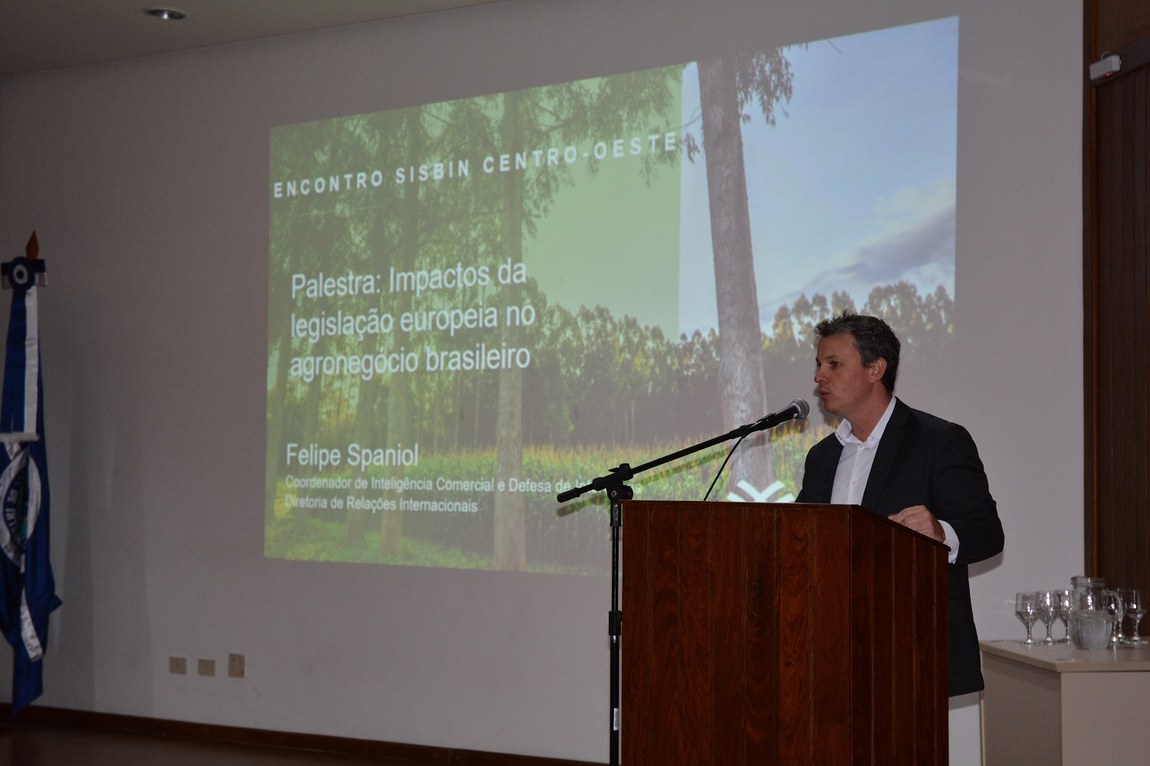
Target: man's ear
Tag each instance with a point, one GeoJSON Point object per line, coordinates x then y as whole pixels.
{"type": "Point", "coordinates": [877, 369]}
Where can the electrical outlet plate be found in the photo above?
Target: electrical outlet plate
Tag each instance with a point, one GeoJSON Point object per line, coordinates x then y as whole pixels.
{"type": "Point", "coordinates": [236, 666]}
{"type": "Point", "coordinates": [206, 667]}
{"type": "Point", "coordinates": [178, 665]}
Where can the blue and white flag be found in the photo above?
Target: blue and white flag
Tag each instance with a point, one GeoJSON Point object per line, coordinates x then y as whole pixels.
{"type": "Point", "coordinates": [27, 588]}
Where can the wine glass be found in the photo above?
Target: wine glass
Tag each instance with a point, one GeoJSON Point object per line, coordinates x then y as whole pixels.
{"type": "Point", "coordinates": [1064, 613]}
{"type": "Point", "coordinates": [1026, 608]}
{"type": "Point", "coordinates": [1113, 604]}
{"type": "Point", "coordinates": [1047, 611]}
{"type": "Point", "coordinates": [1135, 608]}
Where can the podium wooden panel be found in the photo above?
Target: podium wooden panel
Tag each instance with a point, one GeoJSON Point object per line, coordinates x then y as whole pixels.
{"type": "Point", "coordinates": [780, 634]}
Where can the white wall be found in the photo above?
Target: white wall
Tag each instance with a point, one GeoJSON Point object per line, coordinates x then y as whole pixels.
{"type": "Point", "coordinates": [147, 183]}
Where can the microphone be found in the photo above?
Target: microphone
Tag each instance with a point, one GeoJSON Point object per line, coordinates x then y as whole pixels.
{"type": "Point", "coordinates": [798, 409]}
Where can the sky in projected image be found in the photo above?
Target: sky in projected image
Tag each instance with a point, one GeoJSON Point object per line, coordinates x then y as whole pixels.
{"type": "Point", "coordinates": [854, 186]}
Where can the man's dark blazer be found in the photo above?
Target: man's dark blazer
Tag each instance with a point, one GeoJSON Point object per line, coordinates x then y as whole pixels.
{"type": "Point", "coordinates": [924, 460]}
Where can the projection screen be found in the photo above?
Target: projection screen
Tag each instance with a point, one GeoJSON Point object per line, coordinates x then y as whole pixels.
{"type": "Point", "coordinates": [477, 304]}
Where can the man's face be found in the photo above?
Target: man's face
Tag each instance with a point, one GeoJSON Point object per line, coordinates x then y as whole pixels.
{"type": "Point", "coordinates": [844, 384]}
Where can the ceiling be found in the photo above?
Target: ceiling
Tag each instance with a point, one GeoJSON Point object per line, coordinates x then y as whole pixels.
{"type": "Point", "coordinates": [51, 34]}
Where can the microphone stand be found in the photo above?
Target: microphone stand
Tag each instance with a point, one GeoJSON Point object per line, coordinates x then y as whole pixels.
{"type": "Point", "coordinates": [614, 484]}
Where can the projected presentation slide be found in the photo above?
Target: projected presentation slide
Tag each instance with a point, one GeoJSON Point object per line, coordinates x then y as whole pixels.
{"type": "Point", "coordinates": [477, 304]}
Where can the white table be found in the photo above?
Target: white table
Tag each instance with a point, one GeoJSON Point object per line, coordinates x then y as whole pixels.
{"type": "Point", "coordinates": [1060, 705]}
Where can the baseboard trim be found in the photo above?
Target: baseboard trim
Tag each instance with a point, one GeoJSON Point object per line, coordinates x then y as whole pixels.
{"type": "Point", "coordinates": [414, 754]}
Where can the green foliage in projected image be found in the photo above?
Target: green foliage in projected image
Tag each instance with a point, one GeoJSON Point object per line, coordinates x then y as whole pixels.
{"type": "Point", "coordinates": [637, 370]}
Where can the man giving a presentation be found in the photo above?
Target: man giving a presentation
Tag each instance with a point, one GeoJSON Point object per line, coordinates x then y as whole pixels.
{"type": "Point", "coordinates": [919, 470]}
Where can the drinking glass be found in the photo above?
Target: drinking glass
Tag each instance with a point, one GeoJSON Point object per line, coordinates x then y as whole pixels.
{"type": "Point", "coordinates": [1047, 611]}
{"type": "Point", "coordinates": [1135, 608]}
{"type": "Point", "coordinates": [1064, 602]}
{"type": "Point", "coordinates": [1026, 608]}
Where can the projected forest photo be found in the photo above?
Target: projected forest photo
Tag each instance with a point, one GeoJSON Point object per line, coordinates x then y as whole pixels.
{"type": "Point", "coordinates": [477, 304]}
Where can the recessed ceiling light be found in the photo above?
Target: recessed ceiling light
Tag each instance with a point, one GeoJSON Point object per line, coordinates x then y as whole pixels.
{"type": "Point", "coordinates": [167, 14]}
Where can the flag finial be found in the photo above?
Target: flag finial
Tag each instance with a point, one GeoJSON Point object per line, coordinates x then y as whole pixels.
{"type": "Point", "coordinates": [27, 272]}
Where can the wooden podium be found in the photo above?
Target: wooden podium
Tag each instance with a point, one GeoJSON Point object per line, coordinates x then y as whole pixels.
{"type": "Point", "coordinates": [780, 634]}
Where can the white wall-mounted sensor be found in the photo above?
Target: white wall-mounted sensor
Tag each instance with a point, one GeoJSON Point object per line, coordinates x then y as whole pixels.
{"type": "Point", "coordinates": [1104, 67]}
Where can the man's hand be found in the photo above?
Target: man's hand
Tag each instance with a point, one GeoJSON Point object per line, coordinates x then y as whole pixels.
{"type": "Point", "coordinates": [921, 520]}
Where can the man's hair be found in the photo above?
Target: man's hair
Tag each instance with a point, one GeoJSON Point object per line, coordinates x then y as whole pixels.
{"type": "Point", "coordinates": [873, 338]}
